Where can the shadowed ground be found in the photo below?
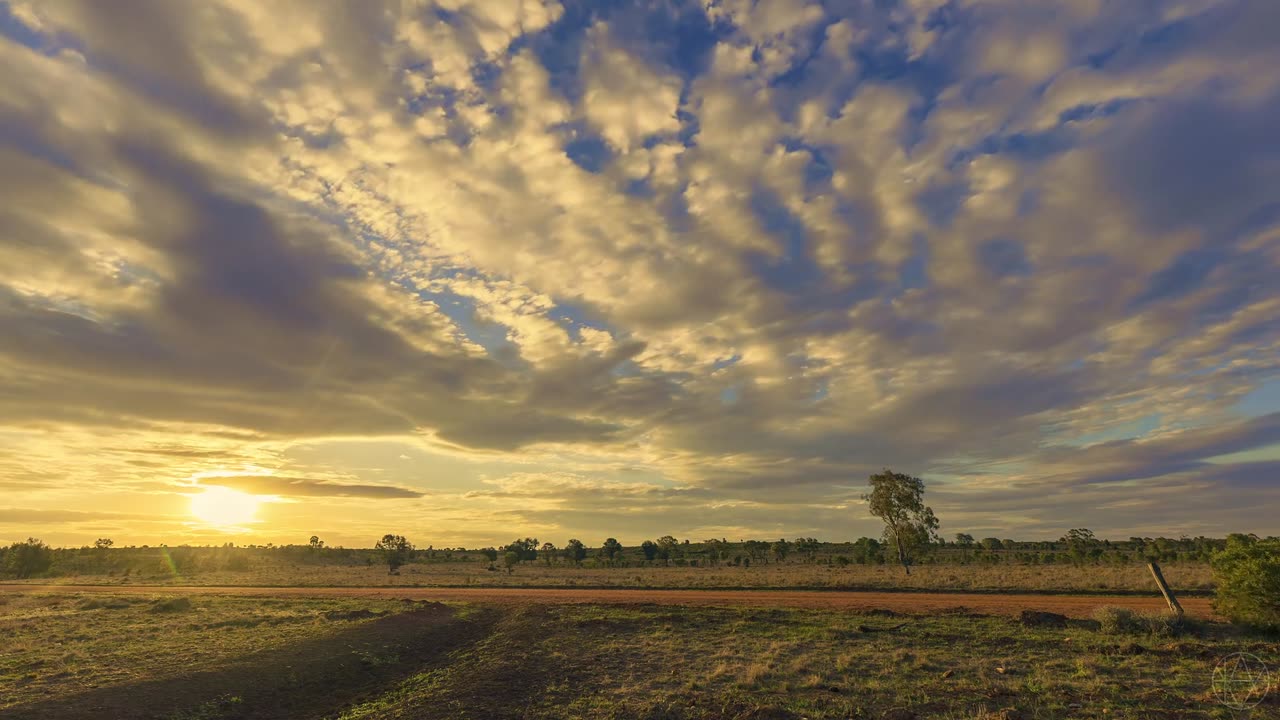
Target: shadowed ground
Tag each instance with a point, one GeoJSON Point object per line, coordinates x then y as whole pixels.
{"type": "Point", "coordinates": [305, 679]}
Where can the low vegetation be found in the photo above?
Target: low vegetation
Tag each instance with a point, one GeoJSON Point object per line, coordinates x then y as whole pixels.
{"type": "Point", "coordinates": [1248, 572]}
{"type": "Point", "coordinates": [1066, 565]}
{"type": "Point", "coordinates": [223, 657]}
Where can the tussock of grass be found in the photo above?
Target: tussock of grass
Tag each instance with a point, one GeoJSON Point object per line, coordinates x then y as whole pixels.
{"type": "Point", "coordinates": [171, 605]}
{"type": "Point", "coordinates": [1124, 621]}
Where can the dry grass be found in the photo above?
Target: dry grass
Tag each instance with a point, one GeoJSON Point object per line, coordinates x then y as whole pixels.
{"type": "Point", "coordinates": [244, 658]}
{"type": "Point", "coordinates": [1184, 577]}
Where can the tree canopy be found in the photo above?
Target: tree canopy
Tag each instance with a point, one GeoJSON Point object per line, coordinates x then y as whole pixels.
{"type": "Point", "coordinates": [909, 525]}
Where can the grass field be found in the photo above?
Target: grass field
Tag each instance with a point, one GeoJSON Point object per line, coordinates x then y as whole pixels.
{"type": "Point", "coordinates": [206, 657]}
{"type": "Point", "coordinates": [1188, 577]}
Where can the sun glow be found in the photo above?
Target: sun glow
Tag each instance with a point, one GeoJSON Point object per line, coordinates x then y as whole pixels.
{"type": "Point", "coordinates": [224, 506]}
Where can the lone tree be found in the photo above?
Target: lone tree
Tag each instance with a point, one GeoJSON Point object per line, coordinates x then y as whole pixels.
{"type": "Point", "coordinates": [395, 551]}
{"type": "Point", "coordinates": [909, 524]}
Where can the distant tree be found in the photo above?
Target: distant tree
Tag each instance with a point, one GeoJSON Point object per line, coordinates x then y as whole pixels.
{"type": "Point", "coordinates": [781, 550]}
{"type": "Point", "coordinates": [510, 559]}
{"type": "Point", "coordinates": [25, 559]}
{"type": "Point", "coordinates": [1080, 543]}
{"type": "Point", "coordinates": [611, 549]}
{"type": "Point", "coordinates": [991, 544]}
{"type": "Point", "coordinates": [395, 551]}
{"type": "Point", "coordinates": [668, 547]}
{"type": "Point", "coordinates": [965, 541]}
{"type": "Point", "coordinates": [1248, 579]}
{"type": "Point", "coordinates": [548, 551]}
{"type": "Point", "coordinates": [103, 543]}
{"type": "Point", "coordinates": [909, 525]}
{"type": "Point", "coordinates": [756, 549]}
{"type": "Point", "coordinates": [808, 547]}
{"type": "Point", "coordinates": [574, 551]}
{"type": "Point", "coordinates": [490, 554]}
{"type": "Point", "coordinates": [868, 551]}
{"type": "Point", "coordinates": [316, 544]}
{"type": "Point", "coordinates": [650, 550]}
{"type": "Point", "coordinates": [526, 549]}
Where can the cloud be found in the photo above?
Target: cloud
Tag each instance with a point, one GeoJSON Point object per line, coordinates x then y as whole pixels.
{"type": "Point", "coordinates": [624, 100]}
{"type": "Point", "coordinates": [31, 518]}
{"type": "Point", "coordinates": [751, 252]}
{"type": "Point", "coordinates": [303, 487]}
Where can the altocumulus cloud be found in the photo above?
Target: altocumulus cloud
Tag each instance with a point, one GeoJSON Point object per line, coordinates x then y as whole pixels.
{"type": "Point", "coordinates": [703, 264]}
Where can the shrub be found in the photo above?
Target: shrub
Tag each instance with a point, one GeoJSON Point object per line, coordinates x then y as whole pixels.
{"type": "Point", "coordinates": [1248, 580]}
{"type": "Point", "coordinates": [1164, 624]}
{"type": "Point", "coordinates": [25, 559]}
{"type": "Point", "coordinates": [1123, 621]}
{"type": "Point", "coordinates": [1114, 620]}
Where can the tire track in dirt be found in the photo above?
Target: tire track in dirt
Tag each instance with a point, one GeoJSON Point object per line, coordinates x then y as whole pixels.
{"type": "Point", "coordinates": [1076, 606]}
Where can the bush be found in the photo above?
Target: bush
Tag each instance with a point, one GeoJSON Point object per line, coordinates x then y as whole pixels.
{"type": "Point", "coordinates": [1247, 572]}
{"type": "Point", "coordinates": [1123, 621]}
{"type": "Point", "coordinates": [25, 559]}
{"type": "Point", "coordinates": [1114, 620]}
{"type": "Point", "coordinates": [1165, 624]}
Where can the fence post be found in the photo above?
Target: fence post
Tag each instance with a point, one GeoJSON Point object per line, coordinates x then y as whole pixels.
{"type": "Point", "coordinates": [1164, 588]}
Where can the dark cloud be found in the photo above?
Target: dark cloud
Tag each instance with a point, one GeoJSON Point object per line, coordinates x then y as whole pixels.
{"type": "Point", "coordinates": [303, 487]}
{"type": "Point", "coordinates": [1003, 257]}
{"type": "Point", "coordinates": [263, 323]}
{"type": "Point", "coordinates": [1205, 163]}
{"type": "Point", "coordinates": [152, 46]}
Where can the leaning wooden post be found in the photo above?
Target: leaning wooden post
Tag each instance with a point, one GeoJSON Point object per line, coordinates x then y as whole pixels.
{"type": "Point", "coordinates": [1164, 588]}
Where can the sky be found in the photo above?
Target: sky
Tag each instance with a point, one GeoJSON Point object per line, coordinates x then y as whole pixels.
{"type": "Point", "coordinates": [469, 271]}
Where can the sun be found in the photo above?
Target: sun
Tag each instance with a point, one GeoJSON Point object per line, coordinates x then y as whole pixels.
{"type": "Point", "coordinates": [224, 506]}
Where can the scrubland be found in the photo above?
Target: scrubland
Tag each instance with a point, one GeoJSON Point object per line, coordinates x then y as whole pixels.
{"type": "Point", "coordinates": [196, 656]}
{"type": "Point", "coordinates": [1187, 577]}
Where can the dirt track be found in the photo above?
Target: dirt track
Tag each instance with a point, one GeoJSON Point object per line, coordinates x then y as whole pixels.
{"type": "Point", "coordinates": [1078, 606]}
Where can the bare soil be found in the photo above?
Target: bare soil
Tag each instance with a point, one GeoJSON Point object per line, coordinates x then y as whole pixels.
{"type": "Point", "coordinates": [919, 603]}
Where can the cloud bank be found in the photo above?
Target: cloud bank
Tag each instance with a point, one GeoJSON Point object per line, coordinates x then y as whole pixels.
{"type": "Point", "coordinates": [640, 268]}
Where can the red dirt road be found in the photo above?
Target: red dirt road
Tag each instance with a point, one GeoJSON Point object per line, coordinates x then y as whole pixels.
{"type": "Point", "coordinates": [1076, 606]}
